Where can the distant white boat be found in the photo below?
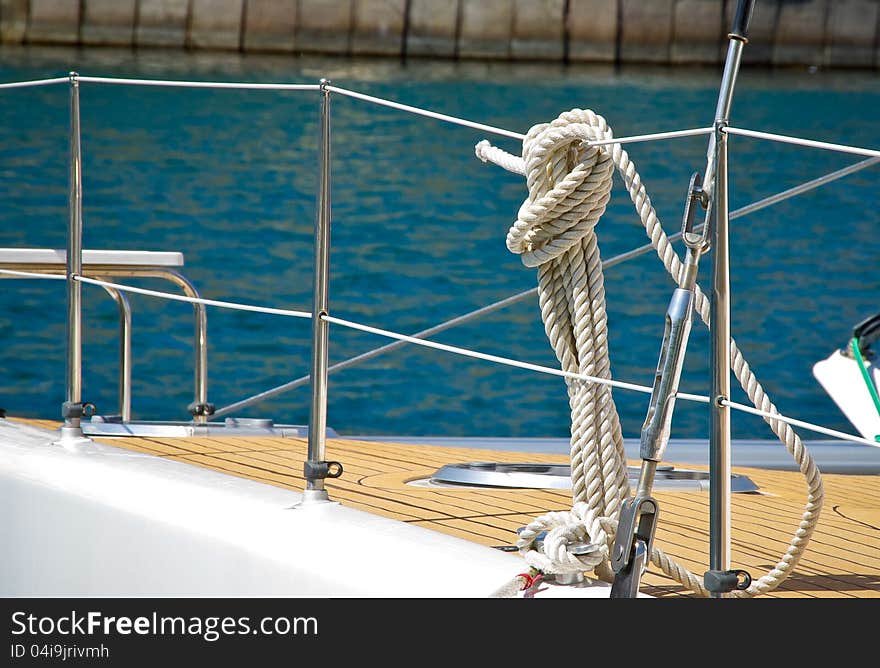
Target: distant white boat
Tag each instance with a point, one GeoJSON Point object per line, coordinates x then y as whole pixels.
{"type": "Point", "coordinates": [851, 377]}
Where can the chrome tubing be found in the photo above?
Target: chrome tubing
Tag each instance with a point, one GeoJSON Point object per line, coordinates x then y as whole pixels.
{"type": "Point", "coordinates": [200, 315]}
{"type": "Point", "coordinates": [72, 409]}
{"type": "Point", "coordinates": [719, 441]}
{"type": "Point", "coordinates": [200, 340]}
{"type": "Point", "coordinates": [722, 110]}
{"type": "Point", "coordinates": [657, 427]}
{"type": "Point", "coordinates": [203, 409]}
{"type": "Point", "coordinates": [718, 217]}
{"type": "Point", "coordinates": [320, 307]}
{"type": "Point", "coordinates": [200, 336]}
{"type": "Point", "coordinates": [124, 307]}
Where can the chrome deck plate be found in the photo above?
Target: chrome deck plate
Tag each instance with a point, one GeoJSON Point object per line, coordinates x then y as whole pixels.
{"type": "Point", "coordinates": [558, 476]}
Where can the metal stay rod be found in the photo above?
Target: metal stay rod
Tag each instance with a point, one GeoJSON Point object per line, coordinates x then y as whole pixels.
{"type": "Point", "coordinates": [722, 110]}
{"type": "Point", "coordinates": [72, 408]}
{"type": "Point", "coordinates": [719, 438]}
{"type": "Point", "coordinates": [719, 441]}
{"type": "Point", "coordinates": [320, 307]}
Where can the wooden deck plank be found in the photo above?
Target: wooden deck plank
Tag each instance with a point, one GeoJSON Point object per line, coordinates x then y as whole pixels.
{"type": "Point", "coordinates": [825, 571]}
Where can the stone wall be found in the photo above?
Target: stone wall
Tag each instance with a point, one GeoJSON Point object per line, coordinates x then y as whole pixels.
{"type": "Point", "coordinates": [835, 33]}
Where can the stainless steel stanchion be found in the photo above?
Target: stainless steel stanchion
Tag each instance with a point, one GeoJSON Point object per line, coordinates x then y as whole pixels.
{"type": "Point", "coordinates": [316, 469]}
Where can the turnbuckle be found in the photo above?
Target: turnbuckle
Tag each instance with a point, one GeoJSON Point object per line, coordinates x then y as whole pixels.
{"type": "Point", "coordinates": [638, 516]}
{"type": "Point", "coordinates": [658, 421]}
{"type": "Point", "coordinates": [632, 545]}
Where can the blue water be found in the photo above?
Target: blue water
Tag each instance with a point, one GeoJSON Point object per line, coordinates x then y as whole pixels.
{"type": "Point", "coordinates": [229, 179]}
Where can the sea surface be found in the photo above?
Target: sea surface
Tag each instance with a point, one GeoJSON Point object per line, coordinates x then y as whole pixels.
{"type": "Point", "coordinates": [229, 179]}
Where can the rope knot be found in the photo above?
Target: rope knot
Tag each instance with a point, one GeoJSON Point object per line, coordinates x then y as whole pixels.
{"type": "Point", "coordinates": [569, 186]}
{"type": "Point", "coordinates": [578, 526]}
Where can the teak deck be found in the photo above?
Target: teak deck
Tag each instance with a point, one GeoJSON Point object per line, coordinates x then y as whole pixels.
{"type": "Point", "coordinates": [842, 559]}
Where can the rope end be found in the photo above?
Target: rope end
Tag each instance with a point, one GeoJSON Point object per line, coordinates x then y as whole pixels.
{"type": "Point", "coordinates": [480, 149]}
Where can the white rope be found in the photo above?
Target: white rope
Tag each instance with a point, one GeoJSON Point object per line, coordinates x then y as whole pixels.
{"type": "Point", "coordinates": [196, 300]}
{"type": "Point", "coordinates": [35, 82]}
{"type": "Point", "coordinates": [772, 416]}
{"type": "Point", "coordinates": [167, 83]}
{"type": "Point", "coordinates": [425, 112]}
{"type": "Point", "coordinates": [785, 139]}
{"type": "Point", "coordinates": [488, 153]}
{"type": "Point", "coordinates": [31, 274]}
{"type": "Point", "coordinates": [569, 184]}
{"type": "Point", "coordinates": [579, 525]}
{"type": "Point", "coordinates": [675, 134]}
{"type": "Point", "coordinates": [569, 375]}
{"type": "Point", "coordinates": [510, 588]}
{"type": "Point", "coordinates": [610, 382]}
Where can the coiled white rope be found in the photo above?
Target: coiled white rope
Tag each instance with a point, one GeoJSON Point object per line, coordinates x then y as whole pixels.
{"type": "Point", "coordinates": [569, 184]}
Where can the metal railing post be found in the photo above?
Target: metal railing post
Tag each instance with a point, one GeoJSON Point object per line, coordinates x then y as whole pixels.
{"type": "Point", "coordinates": [124, 308]}
{"type": "Point", "coordinates": [719, 438]}
{"type": "Point", "coordinates": [316, 469]}
{"type": "Point", "coordinates": [201, 409]}
{"type": "Point", "coordinates": [719, 447]}
{"type": "Point", "coordinates": [72, 409]}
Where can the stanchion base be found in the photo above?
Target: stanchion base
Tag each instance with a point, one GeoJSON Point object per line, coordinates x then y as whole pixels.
{"type": "Point", "coordinates": [314, 497]}
{"type": "Point", "coordinates": [72, 438]}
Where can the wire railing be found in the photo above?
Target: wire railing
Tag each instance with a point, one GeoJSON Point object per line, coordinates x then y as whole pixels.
{"type": "Point", "coordinates": [316, 468]}
{"type": "Point", "coordinates": [456, 350]}
{"type": "Point", "coordinates": [34, 83]}
{"type": "Point", "coordinates": [420, 338]}
{"type": "Point", "coordinates": [475, 354]}
{"type": "Point", "coordinates": [428, 113]}
{"type": "Point", "coordinates": [513, 299]}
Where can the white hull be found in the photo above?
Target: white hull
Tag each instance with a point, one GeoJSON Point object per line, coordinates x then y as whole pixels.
{"type": "Point", "coordinates": [843, 381]}
{"type": "Point", "coordinates": [102, 521]}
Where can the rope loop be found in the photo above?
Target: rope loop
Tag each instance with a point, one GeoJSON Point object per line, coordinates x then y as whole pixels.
{"type": "Point", "coordinates": [569, 186]}
{"type": "Point", "coordinates": [578, 525]}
